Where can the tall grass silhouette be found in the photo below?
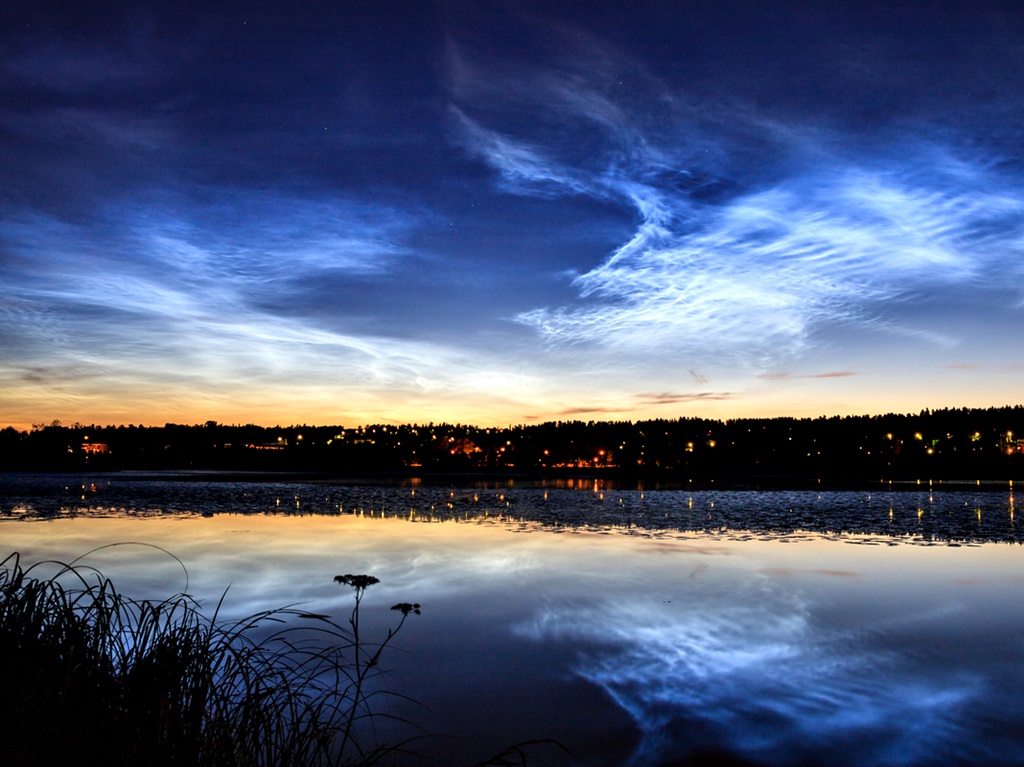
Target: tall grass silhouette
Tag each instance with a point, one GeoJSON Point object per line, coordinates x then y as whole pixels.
{"type": "Point", "coordinates": [91, 676]}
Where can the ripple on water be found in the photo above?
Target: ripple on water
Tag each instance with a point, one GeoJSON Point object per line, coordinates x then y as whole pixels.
{"type": "Point", "coordinates": [876, 518]}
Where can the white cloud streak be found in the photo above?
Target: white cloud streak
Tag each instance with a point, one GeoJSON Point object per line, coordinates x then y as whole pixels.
{"type": "Point", "coordinates": [525, 169]}
{"type": "Point", "coordinates": [163, 298]}
{"type": "Point", "coordinates": [748, 275]}
{"type": "Point", "coordinates": [753, 278]}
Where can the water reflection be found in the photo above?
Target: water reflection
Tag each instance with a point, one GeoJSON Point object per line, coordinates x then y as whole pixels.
{"type": "Point", "coordinates": [760, 679]}
{"type": "Point", "coordinates": [776, 627]}
{"type": "Point", "coordinates": [977, 515]}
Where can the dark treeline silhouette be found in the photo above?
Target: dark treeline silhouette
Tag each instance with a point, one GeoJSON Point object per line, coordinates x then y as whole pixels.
{"type": "Point", "coordinates": [951, 443]}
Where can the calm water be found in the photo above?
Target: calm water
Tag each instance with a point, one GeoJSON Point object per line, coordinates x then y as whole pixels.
{"type": "Point", "coordinates": [636, 627]}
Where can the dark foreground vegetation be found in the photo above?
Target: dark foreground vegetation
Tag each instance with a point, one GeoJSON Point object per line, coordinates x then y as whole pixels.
{"type": "Point", "coordinates": [952, 443]}
{"type": "Point", "coordinates": [93, 677]}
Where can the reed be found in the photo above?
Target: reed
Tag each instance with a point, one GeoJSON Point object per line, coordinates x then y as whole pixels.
{"type": "Point", "coordinates": [91, 676]}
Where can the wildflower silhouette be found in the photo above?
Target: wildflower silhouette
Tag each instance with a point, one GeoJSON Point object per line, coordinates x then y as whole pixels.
{"type": "Point", "coordinates": [364, 659]}
{"type": "Point", "coordinates": [358, 582]}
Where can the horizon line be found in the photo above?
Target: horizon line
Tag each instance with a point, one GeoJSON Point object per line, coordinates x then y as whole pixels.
{"type": "Point", "coordinates": [58, 423]}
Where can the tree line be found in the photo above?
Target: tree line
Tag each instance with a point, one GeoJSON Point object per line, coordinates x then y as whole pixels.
{"type": "Point", "coordinates": [963, 443]}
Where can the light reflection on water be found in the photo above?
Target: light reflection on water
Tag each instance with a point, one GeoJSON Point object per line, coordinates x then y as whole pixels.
{"type": "Point", "coordinates": [921, 515]}
{"type": "Point", "coordinates": [781, 644]}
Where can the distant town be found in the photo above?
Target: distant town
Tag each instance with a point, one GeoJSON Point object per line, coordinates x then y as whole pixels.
{"type": "Point", "coordinates": [962, 444]}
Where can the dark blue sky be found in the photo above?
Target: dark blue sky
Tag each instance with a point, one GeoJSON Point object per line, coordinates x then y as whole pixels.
{"type": "Point", "coordinates": [503, 212]}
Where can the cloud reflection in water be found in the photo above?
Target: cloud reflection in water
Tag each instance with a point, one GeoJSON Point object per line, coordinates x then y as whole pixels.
{"type": "Point", "coordinates": [754, 675]}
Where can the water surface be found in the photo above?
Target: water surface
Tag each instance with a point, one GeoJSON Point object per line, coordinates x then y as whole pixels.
{"type": "Point", "coordinates": [637, 627]}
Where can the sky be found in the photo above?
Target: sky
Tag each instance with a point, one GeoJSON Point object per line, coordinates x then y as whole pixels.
{"type": "Point", "coordinates": [508, 212]}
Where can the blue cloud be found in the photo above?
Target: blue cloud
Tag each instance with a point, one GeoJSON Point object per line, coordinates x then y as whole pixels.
{"type": "Point", "coordinates": [188, 287]}
{"type": "Point", "coordinates": [755, 675]}
{"type": "Point", "coordinates": [744, 265]}
{"type": "Point", "coordinates": [755, 276]}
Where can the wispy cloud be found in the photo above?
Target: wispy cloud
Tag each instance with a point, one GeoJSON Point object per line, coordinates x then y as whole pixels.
{"type": "Point", "coordinates": [192, 269]}
{"type": "Point", "coordinates": [751, 279]}
{"type": "Point", "coordinates": [525, 169]}
{"type": "Point", "coordinates": [789, 376]}
{"type": "Point", "coordinates": [739, 265]}
{"type": "Point", "coordinates": [204, 296]}
{"type": "Point", "coordinates": [587, 410]}
{"type": "Point", "coordinates": [672, 398]}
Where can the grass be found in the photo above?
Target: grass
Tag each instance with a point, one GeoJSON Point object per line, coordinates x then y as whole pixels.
{"type": "Point", "coordinates": [91, 676]}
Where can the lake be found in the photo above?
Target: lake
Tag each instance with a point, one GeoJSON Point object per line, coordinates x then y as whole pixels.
{"type": "Point", "coordinates": [636, 627]}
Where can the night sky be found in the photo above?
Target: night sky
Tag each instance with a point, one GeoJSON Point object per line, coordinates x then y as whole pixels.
{"type": "Point", "coordinates": [508, 212]}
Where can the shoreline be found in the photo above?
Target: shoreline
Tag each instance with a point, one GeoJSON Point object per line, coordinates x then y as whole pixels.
{"type": "Point", "coordinates": [605, 479]}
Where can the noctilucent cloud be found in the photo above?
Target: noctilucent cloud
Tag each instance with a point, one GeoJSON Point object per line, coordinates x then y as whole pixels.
{"type": "Point", "coordinates": [508, 212]}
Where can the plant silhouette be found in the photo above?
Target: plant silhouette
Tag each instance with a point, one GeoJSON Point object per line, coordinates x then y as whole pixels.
{"type": "Point", "coordinates": [92, 676]}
